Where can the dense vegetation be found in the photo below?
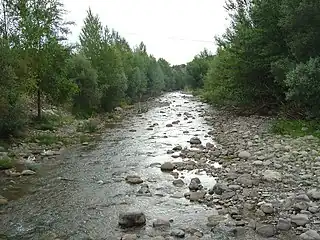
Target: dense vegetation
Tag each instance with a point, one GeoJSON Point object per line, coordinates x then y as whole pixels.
{"type": "Point", "coordinates": [268, 60]}
{"type": "Point", "coordinates": [38, 66]}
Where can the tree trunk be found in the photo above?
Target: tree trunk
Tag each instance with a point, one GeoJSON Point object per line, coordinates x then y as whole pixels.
{"type": "Point", "coordinates": [39, 103]}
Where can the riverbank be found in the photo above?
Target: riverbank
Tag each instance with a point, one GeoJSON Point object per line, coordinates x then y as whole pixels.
{"type": "Point", "coordinates": [270, 181]}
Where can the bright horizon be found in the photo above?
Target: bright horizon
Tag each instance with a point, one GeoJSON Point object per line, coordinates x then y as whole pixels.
{"type": "Point", "coordinates": [174, 30]}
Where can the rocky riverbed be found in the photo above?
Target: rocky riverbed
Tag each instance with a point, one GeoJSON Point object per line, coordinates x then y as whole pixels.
{"type": "Point", "coordinates": [182, 170]}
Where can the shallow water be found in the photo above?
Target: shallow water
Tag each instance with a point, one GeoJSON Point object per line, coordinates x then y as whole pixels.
{"type": "Point", "coordinates": [80, 195]}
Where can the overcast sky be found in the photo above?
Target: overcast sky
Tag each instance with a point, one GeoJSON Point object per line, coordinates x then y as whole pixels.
{"type": "Point", "coordinates": [176, 30]}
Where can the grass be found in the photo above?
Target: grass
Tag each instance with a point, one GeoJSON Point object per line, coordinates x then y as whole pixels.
{"type": "Point", "coordinates": [89, 126]}
{"type": "Point", "coordinates": [6, 163]}
{"type": "Point", "coordinates": [51, 122]}
{"type": "Point", "coordinates": [296, 128]}
{"type": "Point", "coordinates": [48, 139]}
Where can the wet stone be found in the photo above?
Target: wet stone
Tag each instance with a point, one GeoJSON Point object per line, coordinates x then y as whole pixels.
{"type": "Point", "coordinates": [28, 172]}
{"type": "Point", "coordinates": [179, 233]}
{"type": "Point", "coordinates": [129, 237]}
{"type": "Point", "coordinates": [177, 148]}
{"type": "Point", "coordinates": [218, 189]}
{"type": "Point", "coordinates": [3, 200]}
{"type": "Point", "coordinates": [215, 220]}
{"type": "Point", "coordinates": [167, 167]}
{"type": "Point", "coordinates": [132, 219]}
{"type": "Point", "coordinates": [144, 190]}
{"type": "Point", "coordinates": [161, 223]}
{"type": "Point", "coordinates": [196, 196]}
{"type": "Point", "coordinates": [195, 140]}
{"type": "Point", "coordinates": [195, 184]}
{"type": "Point", "coordinates": [178, 183]}
{"type": "Point", "coordinates": [134, 179]}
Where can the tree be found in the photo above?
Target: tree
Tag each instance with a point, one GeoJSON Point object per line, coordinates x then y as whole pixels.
{"type": "Point", "coordinates": [87, 99]}
{"type": "Point", "coordinates": [40, 27]}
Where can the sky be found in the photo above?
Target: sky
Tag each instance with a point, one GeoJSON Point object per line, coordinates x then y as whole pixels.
{"type": "Point", "coordinates": [175, 30]}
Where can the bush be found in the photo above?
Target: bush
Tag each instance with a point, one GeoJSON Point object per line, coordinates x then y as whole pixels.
{"type": "Point", "coordinates": [303, 84]}
{"type": "Point", "coordinates": [6, 163]}
{"type": "Point", "coordinates": [13, 117]}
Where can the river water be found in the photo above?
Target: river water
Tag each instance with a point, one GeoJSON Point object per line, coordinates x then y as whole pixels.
{"type": "Point", "coordinates": [80, 194]}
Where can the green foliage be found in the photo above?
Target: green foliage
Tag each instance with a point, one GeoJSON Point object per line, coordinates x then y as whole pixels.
{"type": "Point", "coordinates": [303, 86]}
{"type": "Point", "coordinates": [267, 58]}
{"type": "Point", "coordinates": [47, 139]}
{"type": "Point", "coordinates": [12, 99]}
{"type": "Point", "coordinates": [101, 74]}
{"type": "Point", "coordinates": [6, 163]}
{"type": "Point", "coordinates": [296, 128]}
{"type": "Point", "coordinates": [81, 72]}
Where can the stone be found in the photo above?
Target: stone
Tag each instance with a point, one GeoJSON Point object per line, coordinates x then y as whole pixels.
{"type": "Point", "coordinates": [310, 235]}
{"type": "Point", "coordinates": [175, 155]}
{"type": "Point", "coordinates": [3, 200]}
{"type": "Point", "coordinates": [167, 167]}
{"type": "Point", "coordinates": [196, 196]}
{"type": "Point", "coordinates": [195, 184]}
{"type": "Point", "coordinates": [179, 233]}
{"type": "Point", "coordinates": [178, 183]}
{"type": "Point", "coordinates": [177, 148]}
{"type": "Point", "coordinates": [134, 179]}
{"type": "Point", "coordinates": [266, 231]}
{"type": "Point", "coordinates": [245, 180]}
{"type": "Point", "coordinates": [215, 220]}
{"type": "Point", "coordinates": [218, 189]}
{"type": "Point", "coordinates": [300, 219]}
{"type": "Point", "coordinates": [170, 152]}
{"type": "Point", "coordinates": [195, 140]}
{"type": "Point", "coordinates": [132, 219]}
{"type": "Point", "coordinates": [257, 163]}
{"type": "Point", "coordinates": [210, 145]}
{"type": "Point", "coordinates": [158, 238]}
{"type": "Point", "coordinates": [284, 224]}
{"type": "Point", "coordinates": [28, 172]}
{"type": "Point", "coordinates": [129, 237]}
{"type": "Point", "coordinates": [314, 194]}
{"type": "Point", "coordinates": [244, 155]}
{"type": "Point", "coordinates": [267, 208]}
{"type": "Point", "coordinates": [161, 223]}
{"type": "Point", "coordinates": [271, 176]}
{"type": "Point", "coordinates": [169, 125]}
{"type": "Point", "coordinates": [144, 190]}
{"type": "Point", "coordinates": [227, 195]}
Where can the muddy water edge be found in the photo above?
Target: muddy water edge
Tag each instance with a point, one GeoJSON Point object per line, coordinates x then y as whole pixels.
{"type": "Point", "coordinates": [81, 193]}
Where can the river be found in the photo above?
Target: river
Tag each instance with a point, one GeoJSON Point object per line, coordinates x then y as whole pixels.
{"type": "Point", "coordinates": [80, 194]}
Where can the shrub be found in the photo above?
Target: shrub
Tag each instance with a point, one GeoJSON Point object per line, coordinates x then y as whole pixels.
{"type": "Point", "coordinates": [303, 84]}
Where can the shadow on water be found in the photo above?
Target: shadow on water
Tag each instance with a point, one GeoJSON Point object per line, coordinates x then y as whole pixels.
{"type": "Point", "coordinates": [82, 193]}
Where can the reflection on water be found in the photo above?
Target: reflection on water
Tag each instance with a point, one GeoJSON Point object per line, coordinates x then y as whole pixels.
{"type": "Point", "coordinates": [89, 204]}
